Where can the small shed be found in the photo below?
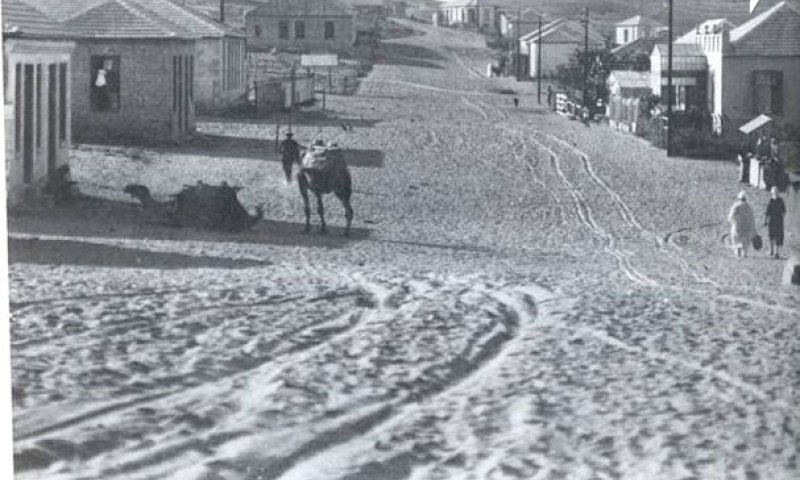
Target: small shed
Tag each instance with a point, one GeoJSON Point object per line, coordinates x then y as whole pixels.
{"type": "Point", "coordinates": [628, 83]}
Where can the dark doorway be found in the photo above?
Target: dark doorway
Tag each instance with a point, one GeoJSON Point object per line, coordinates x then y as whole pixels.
{"type": "Point", "coordinates": [27, 121]}
{"type": "Point", "coordinates": [52, 117]}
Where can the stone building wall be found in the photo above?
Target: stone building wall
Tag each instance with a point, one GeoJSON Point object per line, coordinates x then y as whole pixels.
{"type": "Point", "coordinates": [146, 111]}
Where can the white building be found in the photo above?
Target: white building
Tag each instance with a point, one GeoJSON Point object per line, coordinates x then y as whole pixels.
{"type": "Point", "coordinates": [635, 28]}
{"type": "Point", "coordinates": [468, 13]}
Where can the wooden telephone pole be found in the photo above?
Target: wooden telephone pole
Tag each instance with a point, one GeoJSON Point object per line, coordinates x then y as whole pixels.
{"type": "Point", "coordinates": [519, 56]}
{"type": "Point", "coordinates": [222, 11]}
{"type": "Point", "coordinates": [585, 55]}
{"type": "Point", "coordinates": [539, 64]}
{"type": "Point", "coordinates": [669, 85]}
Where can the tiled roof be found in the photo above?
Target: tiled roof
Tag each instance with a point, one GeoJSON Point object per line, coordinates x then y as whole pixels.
{"type": "Point", "coordinates": [325, 8]}
{"type": "Point", "coordinates": [640, 45]}
{"type": "Point", "coordinates": [119, 19]}
{"type": "Point", "coordinates": [563, 31]}
{"type": "Point", "coordinates": [776, 32]}
{"type": "Point", "coordinates": [631, 79]}
{"type": "Point", "coordinates": [167, 15]}
{"type": "Point", "coordinates": [638, 20]}
{"type": "Point", "coordinates": [21, 19]}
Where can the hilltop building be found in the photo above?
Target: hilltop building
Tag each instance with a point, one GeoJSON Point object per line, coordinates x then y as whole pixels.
{"type": "Point", "coordinates": [560, 39]}
{"type": "Point", "coordinates": [301, 26]}
{"type": "Point", "coordinates": [635, 28]}
{"type": "Point", "coordinates": [467, 13]}
{"type": "Point", "coordinates": [507, 22]}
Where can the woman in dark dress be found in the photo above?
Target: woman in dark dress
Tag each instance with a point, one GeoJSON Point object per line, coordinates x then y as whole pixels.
{"type": "Point", "coordinates": [776, 210]}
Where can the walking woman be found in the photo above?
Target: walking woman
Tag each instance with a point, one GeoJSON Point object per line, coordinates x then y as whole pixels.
{"type": "Point", "coordinates": [743, 224]}
{"type": "Point", "coordinates": [776, 210]}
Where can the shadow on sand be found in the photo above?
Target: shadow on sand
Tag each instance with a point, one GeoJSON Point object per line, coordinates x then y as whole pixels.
{"type": "Point", "coordinates": [92, 217]}
{"type": "Point", "coordinates": [212, 145]}
{"type": "Point", "coordinates": [73, 252]}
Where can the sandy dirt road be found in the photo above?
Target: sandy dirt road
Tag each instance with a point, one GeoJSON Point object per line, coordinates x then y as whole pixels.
{"type": "Point", "coordinates": [523, 297]}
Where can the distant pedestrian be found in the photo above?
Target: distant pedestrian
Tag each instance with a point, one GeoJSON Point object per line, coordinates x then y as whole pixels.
{"type": "Point", "coordinates": [585, 115]}
{"type": "Point", "coordinates": [550, 97]}
{"type": "Point", "coordinates": [763, 149]}
{"type": "Point", "coordinates": [776, 210]}
{"type": "Point", "coordinates": [290, 154]}
{"type": "Point", "coordinates": [743, 225]}
{"type": "Point", "coordinates": [516, 102]}
{"type": "Point", "coordinates": [774, 149]}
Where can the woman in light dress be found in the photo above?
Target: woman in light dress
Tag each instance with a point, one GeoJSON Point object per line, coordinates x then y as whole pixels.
{"type": "Point", "coordinates": [743, 224]}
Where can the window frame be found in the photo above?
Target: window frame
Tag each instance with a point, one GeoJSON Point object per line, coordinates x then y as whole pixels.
{"type": "Point", "coordinates": [113, 83]}
{"type": "Point", "coordinates": [329, 33]}
{"type": "Point", "coordinates": [773, 81]}
{"type": "Point", "coordinates": [299, 30]}
{"type": "Point", "coordinates": [283, 29]}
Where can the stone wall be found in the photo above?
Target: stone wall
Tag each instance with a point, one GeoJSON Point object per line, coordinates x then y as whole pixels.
{"type": "Point", "coordinates": [220, 77]}
{"type": "Point", "coordinates": [146, 112]}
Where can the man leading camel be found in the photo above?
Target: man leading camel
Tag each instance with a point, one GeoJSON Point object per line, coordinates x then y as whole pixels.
{"type": "Point", "coordinates": [290, 154]}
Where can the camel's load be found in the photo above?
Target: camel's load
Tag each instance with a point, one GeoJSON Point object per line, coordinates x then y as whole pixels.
{"type": "Point", "coordinates": [204, 206]}
{"type": "Point", "coordinates": [320, 157]}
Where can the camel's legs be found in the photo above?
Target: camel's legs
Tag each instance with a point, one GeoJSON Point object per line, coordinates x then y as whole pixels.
{"type": "Point", "coordinates": [302, 183]}
{"type": "Point", "coordinates": [321, 212]}
{"type": "Point", "coordinates": [344, 196]}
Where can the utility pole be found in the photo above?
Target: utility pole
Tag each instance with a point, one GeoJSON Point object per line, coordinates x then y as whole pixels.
{"type": "Point", "coordinates": [669, 85]}
{"type": "Point", "coordinates": [519, 57]}
{"type": "Point", "coordinates": [222, 11]}
{"type": "Point", "coordinates": [539, 64]}
{"type": "Point", "coordinates": [585, 55]}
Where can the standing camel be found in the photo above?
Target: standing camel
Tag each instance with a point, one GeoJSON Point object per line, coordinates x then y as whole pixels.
{"type": "Point", "coordinates": [323, 170]}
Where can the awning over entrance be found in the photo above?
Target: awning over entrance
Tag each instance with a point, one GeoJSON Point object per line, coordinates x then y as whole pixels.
{"type": "Point", "coordinates": [755, 124]}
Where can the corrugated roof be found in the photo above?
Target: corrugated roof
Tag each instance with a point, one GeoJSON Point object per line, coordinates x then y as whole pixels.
{"type": "Point", "coordinates": [776, 32]}
{"type": "Point", "coordinates": [278, 8]}
{"type": "Point", "coordinates": [169, 14]}
{"type": "Point", "coordinates": [682, 49]}
{"type": "Point", "coordinates": [687, 57]}
{"type": "Point", "coordinates": [755, 124]}
{"type": "Point", "coordinates": [631, 78]}
{"type": "Point", "coordinates": [22, 19]}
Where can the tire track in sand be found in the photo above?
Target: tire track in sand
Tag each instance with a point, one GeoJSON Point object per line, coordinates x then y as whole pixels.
{"type": "Point", "coordinates": [627, 215]}
{"type": "Point", "coordinates": [586, 218]}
